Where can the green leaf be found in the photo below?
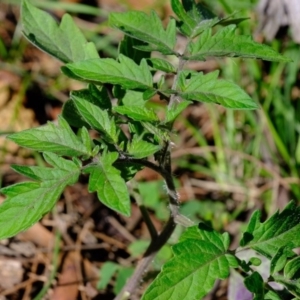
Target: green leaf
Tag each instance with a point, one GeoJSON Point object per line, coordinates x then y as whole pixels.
{"type": "Point", "coordinates": [86, 139]}
{"type": "Point", "coordinates": [176, 110]}
{"type": "Point", "coordinates": [109, 185]}
{"type": "Point", "coordinates": [137, 113]}
{"type": "Point", "coordinates": [148, 94]}
{"type": "Point", "coordinates": [200, 258]}
{"type": "Point", "coordinates": [60, 164]}
{"type": "Point", "coordinates": [292, 269]}
{"type": "Point", "coordinates": [127, 48]}
{"type": "Point", "coordinates": [27, 202]}
{"type": "Point", "coordinates": [124, 72]}
{"type": "Point", "coordinates": [141, 149]}
{"type": "Point", "coordinates": [95, 95]}
{"type": "Point", "coordinates": [226, 43]}
{"type": "Point", "coordinates": [124, 273]}
{"type": "Point", "coordinates": [272, 295]}
{"type": "Point", "coordinates": [107, 271]}
{"type": "Point", "coordinates": [59, 139]}
{"type": "Point", "coordinates": [97, 119]}
{"type": "Point", "coordinates": [255, 284]}
{"type": "Point", "coordinates": [188, 24]}
{"type": "Point", "coordinates": [161, 64]}
{"type": "Point", "coordinates": [64, 42]}
{"type": "Point", "coordinates": [133, 98]}
{"type": "Point", "coordinates": [293, 286]}
{"type": "Point", "coordinates": [146, 28]}
{"type": "Point", "coordinates": [207, 88]}
{"type": "Point", "coordinates": [160, 134]}
{"type": "Point", "coordinates": [194, 17]}
{"type": "Point", "coordinates": [128, 170]}
{"type": "Point", "coordinates": [280, 258]}
{"type": "Point", "coordinates": [268, 237]}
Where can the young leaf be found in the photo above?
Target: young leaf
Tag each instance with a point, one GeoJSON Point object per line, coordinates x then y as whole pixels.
{"type": "Point", "coordinates": [109, 185]}
{"type": "Point", "coordinates": [146, 28]}
{"type": "Point", "coordinates": [97, 119]}
{"type": "Point", "coordinates": [141, 149]}
{"type": "Point", "coordinates": [137, 113]}
{"type": "Point", "coordinates": [207, 88]}
{"type": "Point", "coordinates": [226, 43]}
{"type": "Point", "coordinates": [59, 139]}
{"type": "Point", "coordinates": [27, 202]}
{"type": "Point", "coordinates": [200, 258]}
{"type": "Point", "coordinates": [107, 70]}
{"type": "Point", "coordinates": [176, 110]}
{"type": "Point", "coordinates": [268, 237]}
{"type": "Point", "coordinates": [64, 42]}
{"type": "Point", "coordinates": [161, 64]}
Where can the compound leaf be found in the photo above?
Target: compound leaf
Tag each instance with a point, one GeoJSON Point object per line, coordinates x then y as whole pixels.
{"type": "Point", "coordinates": [124, 72]}
{"type": "Point", "coordinates": [200, 258]}
{"type": "Point", "coordinates": [137, 113]}
{"type": "Point", "coordinates": [108, 183]}
{"type": "Point", "coordinates": [208, 88]}
{"type": "Point", "coordinates": [226, 43]}
{"type": "Point", "coordinates": [268, 237]}
{"type": "Point", "coordinates": [65, 42]}
{"type": "Point", "coordinates": [27, 202]}
{"type": "Point", "coordinates": [59, 139]}
{"type": "Point", "coordinates": [146, 28]}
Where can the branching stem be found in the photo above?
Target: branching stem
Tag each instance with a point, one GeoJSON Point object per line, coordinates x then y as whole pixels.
{"type": "Point", "coordinates": [158, 241]}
